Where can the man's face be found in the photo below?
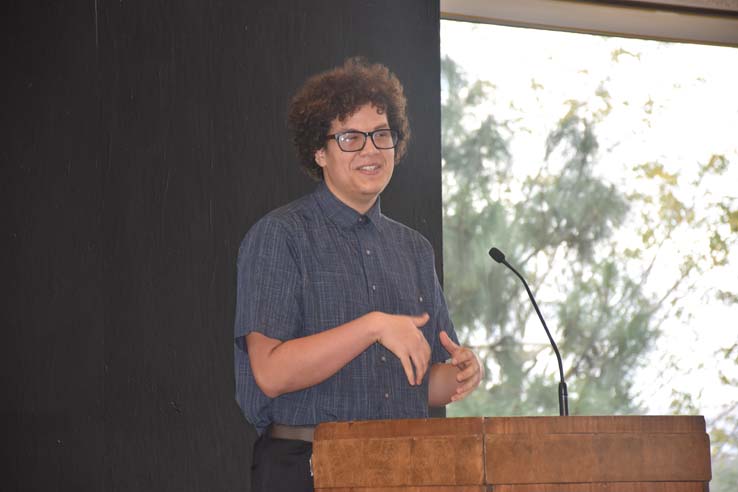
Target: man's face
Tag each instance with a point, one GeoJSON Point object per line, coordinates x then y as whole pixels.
{"type": "Point", "coordinates": [357, 178]}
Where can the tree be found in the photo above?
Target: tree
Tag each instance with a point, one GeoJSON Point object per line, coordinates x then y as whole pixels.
{"type": "Point", "coordinates": [563, 211]}
{"type": "Point", "coordinates": [563, 224]}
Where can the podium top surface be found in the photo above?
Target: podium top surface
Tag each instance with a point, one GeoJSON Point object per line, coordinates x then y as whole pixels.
{"type": "Point", "coordinates": [511, 425]}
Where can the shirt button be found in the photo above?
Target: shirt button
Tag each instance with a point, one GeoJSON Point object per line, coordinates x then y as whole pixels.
{"type": "Point", "coordinates": [368, 252]}
{"type": "Point", "coordinates": [386, 396]}
{"type": "Point", "coordinates": [374, 287]}
{"type": "Point", "coordinates": [383, 358]}
{"type": "Point", "coordinates": [420, 298]}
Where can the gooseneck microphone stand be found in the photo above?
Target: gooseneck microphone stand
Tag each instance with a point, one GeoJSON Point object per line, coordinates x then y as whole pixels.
{"type": "Point", "coordinates": [499, 257]}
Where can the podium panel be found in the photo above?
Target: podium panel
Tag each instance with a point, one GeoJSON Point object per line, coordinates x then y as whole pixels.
{"type": "Point", "coordinates": [514, 454]}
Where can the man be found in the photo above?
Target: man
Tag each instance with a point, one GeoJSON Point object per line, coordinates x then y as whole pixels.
{"type": "Point", "coordinates": [339, 312]}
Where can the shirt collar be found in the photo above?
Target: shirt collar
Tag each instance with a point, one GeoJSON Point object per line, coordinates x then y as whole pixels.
{"type": "Point", "coordinates": [343, 215]}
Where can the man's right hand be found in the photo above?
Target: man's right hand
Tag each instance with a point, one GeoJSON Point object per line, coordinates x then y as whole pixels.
{"type": "Point", "coordinates": [401, 335]}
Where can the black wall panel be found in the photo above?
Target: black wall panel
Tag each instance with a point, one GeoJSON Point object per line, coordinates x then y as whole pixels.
{"type": "Point", "coordinates": [141, 140]}
{"type": "Point", "coordinates": [52, 360]}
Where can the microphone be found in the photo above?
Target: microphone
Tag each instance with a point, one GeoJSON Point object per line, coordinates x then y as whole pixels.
{"type": "Point", "coordinates": [499, 257]}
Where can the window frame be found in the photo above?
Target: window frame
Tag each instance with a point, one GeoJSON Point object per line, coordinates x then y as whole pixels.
{"type": "Point", "coordinates": [690, 21]}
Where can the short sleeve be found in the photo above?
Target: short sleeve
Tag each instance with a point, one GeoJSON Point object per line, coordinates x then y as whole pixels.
{"type": "Point", "coordinates": [268, 293]}
{"type": "Point", "coordinates": [443, 323]}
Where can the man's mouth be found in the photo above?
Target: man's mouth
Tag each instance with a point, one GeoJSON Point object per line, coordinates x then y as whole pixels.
{"type": "Point", "coordinates": [369, 167]}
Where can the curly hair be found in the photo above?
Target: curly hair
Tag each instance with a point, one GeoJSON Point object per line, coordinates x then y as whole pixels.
{"type": "Point", "coordinates": [339, 93]}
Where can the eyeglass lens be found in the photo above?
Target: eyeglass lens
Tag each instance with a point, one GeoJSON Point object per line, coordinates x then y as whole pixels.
{"type": "Point", "coordinates": [355, 141]}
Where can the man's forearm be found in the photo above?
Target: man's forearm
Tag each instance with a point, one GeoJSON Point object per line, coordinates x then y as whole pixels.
{"type": "Point", "coordinates": [284, 367]}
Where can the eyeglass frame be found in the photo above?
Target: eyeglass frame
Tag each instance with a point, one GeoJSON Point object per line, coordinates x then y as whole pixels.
{"type": "Point", "coordinates": [367, 136]}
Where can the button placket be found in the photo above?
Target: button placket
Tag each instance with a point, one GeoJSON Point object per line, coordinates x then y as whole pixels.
{"type": "Point", "coordinates": [366, 247]}
{"type": "Point", "coordinates": [368, 251]}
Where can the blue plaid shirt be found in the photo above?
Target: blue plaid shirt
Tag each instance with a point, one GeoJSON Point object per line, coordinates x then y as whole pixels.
{"type": "Point", "coordinates": [315, 264]}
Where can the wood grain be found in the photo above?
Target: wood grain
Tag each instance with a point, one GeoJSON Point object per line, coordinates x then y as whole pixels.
{"type": "Point", "coordinates": [515, 454]}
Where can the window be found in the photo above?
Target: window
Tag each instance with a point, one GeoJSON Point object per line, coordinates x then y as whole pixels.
{"type": "Point", "coordinates": [606, 169]}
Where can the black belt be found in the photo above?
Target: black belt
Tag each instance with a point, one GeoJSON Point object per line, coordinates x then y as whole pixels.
{"type": "Point", "coordinates": [294, 432]}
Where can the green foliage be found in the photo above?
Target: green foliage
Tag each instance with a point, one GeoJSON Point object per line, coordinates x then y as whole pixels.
{"type": "Point", "coordinates": [563, 209]}
{"type": "Point", "coordinates": [559, 223]}
{"type": "Point", "coordinates": [589, 250]}
{"type": "Point", "coordinates": [730, 217]}
{"type": "Point", "coordinates": [725, 474]}
{"type": "Point", "coordinates": [724, 433]}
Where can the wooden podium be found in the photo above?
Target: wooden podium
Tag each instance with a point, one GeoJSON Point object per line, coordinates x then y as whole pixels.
{"type": "Point", "coordinates": [514, 454]}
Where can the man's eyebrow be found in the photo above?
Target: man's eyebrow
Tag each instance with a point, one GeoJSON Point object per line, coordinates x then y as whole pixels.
{"type": "Point", "coordinates": [377, 127]}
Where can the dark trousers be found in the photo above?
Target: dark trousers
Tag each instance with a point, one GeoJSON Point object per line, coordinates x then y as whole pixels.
{"type": "Point", "coordinates": [281, 465]}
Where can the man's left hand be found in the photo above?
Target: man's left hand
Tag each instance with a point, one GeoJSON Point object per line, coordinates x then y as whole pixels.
{"type": "Point", "coordinates": [469, 368]}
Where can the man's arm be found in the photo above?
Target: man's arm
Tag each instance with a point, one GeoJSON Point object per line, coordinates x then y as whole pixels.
{"type": "Point", "coordinates": [456, 380]}
{"type": "Point", "coordinates": [282, 367]}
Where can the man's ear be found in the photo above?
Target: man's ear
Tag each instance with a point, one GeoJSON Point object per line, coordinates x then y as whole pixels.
{"type": "Point", "coordinates": [320, 157]}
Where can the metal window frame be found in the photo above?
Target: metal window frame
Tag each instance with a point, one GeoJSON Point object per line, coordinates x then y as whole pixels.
{"type": "Point", "coordinates": [689, 21]}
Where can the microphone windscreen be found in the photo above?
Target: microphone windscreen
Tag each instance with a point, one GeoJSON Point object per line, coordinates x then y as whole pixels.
{"type": "Point", "coordinates": [497, 255]}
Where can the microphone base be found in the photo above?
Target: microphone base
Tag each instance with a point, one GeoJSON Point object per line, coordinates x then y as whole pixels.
{"type": "Point", "coordinates": [563, 400]}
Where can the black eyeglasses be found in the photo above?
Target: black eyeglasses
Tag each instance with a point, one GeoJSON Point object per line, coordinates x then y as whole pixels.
{"type": "Point", "coordinates": [354, 140]}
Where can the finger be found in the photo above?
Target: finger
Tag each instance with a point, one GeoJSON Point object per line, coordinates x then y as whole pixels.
{"type": "Point", "coordinates": [461, 396]}
{"type": "Point", "coordinates": [463, 357]}
{"type": "Point", "coordinates": [419, 370]}
{"type": "Point", "coordinates": [471, 366]}
{"type": "Point", "coordinates": [420, 320]}
{"type": "Point", "coordinates": [469, 386]}
{"type": "Point", "coordinates": [425, 347]}
{"type": "Point", "coordinates": [467, 374]}
{"type": "Point", "coordinates": [464, 390]}
{"type": "Point", "coordinates": [421, 366]}
{"type": "Point", "coordinates": [426, 354]}
{"type": "Point", "coordinates": [448, 344]}
{"type": "Point", "coordinates": [407, 366]}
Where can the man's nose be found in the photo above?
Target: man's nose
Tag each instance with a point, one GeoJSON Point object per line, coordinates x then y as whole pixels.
{"type": "Point", "coordinates": [369, 147]}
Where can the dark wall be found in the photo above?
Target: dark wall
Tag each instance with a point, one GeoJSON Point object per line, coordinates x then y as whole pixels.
{"type": "Point", "coordinates": [140, 141]}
